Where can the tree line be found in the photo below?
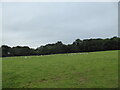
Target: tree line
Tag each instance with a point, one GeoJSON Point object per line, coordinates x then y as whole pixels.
{"type": "Point", "coordinates": [86, 45]}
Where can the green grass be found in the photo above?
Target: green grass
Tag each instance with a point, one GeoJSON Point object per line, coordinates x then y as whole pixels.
{"type": "Point", "coordinates": [92, 70]}
{"type": "Point", "coordinates": [0, 73]}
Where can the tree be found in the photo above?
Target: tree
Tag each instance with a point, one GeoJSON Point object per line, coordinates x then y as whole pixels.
{"type": "Point", "coordinates": [86, 45]}
{"type": "Point", "coordinates": [6, 50]}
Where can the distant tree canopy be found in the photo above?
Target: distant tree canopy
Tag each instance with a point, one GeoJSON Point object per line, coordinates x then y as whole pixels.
{"type": "Point", "coordinates": [86, 45]}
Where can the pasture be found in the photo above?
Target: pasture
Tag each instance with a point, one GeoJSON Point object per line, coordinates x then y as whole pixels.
{"type": "Point", "coordinates": [78, 70]}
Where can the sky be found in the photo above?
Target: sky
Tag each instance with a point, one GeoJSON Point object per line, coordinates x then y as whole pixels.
{"type": "Point", "coordinates": [35, 24]}
{"type": "Point", "coordinates": [0, 24]}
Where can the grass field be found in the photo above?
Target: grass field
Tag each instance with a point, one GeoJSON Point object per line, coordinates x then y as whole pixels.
{"type": "Point", "coordinates": [92, 70]}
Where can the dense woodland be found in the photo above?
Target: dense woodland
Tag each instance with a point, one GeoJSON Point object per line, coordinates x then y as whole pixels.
{"type": "Point", "coordinates": [86, 45]}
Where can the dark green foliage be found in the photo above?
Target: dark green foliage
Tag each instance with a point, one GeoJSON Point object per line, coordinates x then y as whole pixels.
{"type": "Point", "coordinates": [111, 44]}
{"type": "Point", "coordinates": [87, 45]}
{"type": "Point", "coordinates": [56, 48]}
{"type": "Point", "coordinates": [6, 51]}
{"type": "Point", "coordinates": [17, 51]}
{"type": "Point", "coordinates": [21, 51]}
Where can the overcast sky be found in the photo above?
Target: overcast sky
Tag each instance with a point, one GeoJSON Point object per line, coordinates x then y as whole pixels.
{"type": "Point", "coordinates": [35, 24]}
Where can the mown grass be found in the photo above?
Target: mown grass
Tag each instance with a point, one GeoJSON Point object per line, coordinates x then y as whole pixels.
{"type": "Point", "coordinates": [92, 70]}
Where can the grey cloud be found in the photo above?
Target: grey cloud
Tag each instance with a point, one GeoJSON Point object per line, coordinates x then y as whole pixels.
{"type": "Point", "coordinates": [36, 24]}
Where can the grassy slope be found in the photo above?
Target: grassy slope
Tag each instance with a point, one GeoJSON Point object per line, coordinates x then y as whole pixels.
{"type": "Point", "coordinates": [93, 70]}
{"type": "Point", "coordinates": [0, 73]}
